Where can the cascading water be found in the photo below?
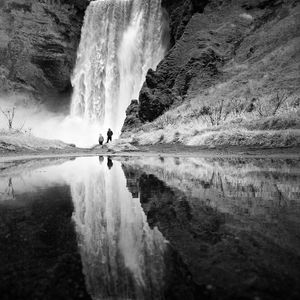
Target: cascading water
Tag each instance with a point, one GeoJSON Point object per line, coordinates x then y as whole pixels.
{"type": "Point", "coordinates": [120, 41]}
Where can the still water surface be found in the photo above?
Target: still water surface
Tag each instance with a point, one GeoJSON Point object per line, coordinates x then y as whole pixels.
{"type": "Point", "coordinates": [150, 228]}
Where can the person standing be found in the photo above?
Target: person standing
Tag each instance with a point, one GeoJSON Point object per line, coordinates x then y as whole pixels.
{"type": "Point", "coordinates": [101, 139]}
{"type": "Point", "coordinates": [109, 135]}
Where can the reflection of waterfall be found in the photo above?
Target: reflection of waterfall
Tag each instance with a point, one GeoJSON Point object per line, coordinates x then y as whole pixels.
{"type": "Point", "coordinates": [122, 257]}
{"type": "Point", "coordinates": [120, 41]}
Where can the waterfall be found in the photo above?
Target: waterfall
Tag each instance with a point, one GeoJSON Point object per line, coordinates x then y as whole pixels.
{"type": "Point", "coordinates": [120, 41]}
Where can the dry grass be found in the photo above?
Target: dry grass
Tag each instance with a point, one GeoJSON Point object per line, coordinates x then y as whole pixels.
{"type": "Point", "coordinates": [270, 139]}
{"type": "Point", "coordinates": [240, 128]}
{"type": "Point", "coordinates": [13, 141]}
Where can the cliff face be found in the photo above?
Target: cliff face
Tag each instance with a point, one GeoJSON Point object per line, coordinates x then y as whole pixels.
{"type": "Point", "coordinates": [180, 13]}
{"type": "Point", "coordinates": [220, 49]}
{"type": "Point", "coordinates": [38, 43]}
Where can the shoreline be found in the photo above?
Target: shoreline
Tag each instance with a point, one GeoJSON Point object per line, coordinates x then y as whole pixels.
{"type": "Point", "coordinates": [163, 150]}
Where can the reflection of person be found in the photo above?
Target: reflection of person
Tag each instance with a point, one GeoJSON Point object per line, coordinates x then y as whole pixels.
{"type": "Point", "coordinates": [9, 191]}
{"type": "Point", "coordinates": [109, 135]}
{"type": "Point", "coordinates": [109, 163]}
{"type": "Point", "coordinates": [101, 139]}
{"type": "Point", "coordinates": [101, 159]}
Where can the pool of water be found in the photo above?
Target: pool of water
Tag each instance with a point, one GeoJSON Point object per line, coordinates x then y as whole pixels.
{"type": "Point", "coordinates": [150, 228]}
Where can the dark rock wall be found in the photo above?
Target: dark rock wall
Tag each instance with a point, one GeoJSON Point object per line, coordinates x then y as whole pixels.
{"type": "Point", "coordinates": [211, 41]}
{"type": "Point", "coordinates": [38, 43]}
{"type": "Point", "coordinates": [180, 13]}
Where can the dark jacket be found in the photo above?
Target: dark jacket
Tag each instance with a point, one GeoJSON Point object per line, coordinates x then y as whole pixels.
{"type": "Point", "coordinates": [109, 133]}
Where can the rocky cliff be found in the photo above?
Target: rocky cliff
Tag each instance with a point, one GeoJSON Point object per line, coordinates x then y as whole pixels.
{"type": "Point", "coordinates": [222, 50]}
{"type": "Point", "coordinates": [38, 44]}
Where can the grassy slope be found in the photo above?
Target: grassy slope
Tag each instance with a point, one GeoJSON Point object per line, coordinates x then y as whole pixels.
{"type": "Point", "coordinates": [274, 131]}
{"type": "Point", "coordinates": [17, 141]}
{"type": "Point", "coordinates": [266, 62]}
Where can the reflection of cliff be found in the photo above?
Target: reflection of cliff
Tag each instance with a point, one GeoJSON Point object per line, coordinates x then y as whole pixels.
{"type": "Point", "coordinates": [233, 222]}
{"type": "Point", "coordinates": [253, 186]}
{"type": "Point", "coordinates": [38, 247]}
{"type": "Point", "coordinates": [122, 257]}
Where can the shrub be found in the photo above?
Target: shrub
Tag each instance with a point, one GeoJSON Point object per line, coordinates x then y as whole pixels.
{"type": "Point", "coordinates": [9, 114]}
{"type": "Point", "coordinates": [271, 107]}
{"type": "Point", "coordinates": [161, 138]}
{"type": "Point", "coordinates": [215, 114]}
{"type": "Point", "coordinates": [296, 103]}
{"type": "Point", "coordinates": [165, 120]}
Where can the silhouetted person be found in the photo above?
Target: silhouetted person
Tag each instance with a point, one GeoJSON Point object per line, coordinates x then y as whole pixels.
{"type": "Point", "coordinates": [109, 163]}
{"type": "Point", "coordinates": [109, 135]}
{"type": "Point", "coordinates": [101, 159]}
{"type": "Point", "coordinates": [101, 139]}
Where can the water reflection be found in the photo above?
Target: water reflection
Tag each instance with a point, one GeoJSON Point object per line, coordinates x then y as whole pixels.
{"type": "Point", "coordinates": [234, 222]}
{"type": "Point", "coordinates": [167, 228]}
{"type": "Point", "coordinates": [38, 246]}
{"type": "Point", "coordinates": [9, 192]}
{"type": "Point", "coordinates": [109, 163]}
{"type": "Point", "coordinates": [122, 257]}
{"type": "Point", "coordinates": [101, 159]}
{"type": "Point", "coordinates": [252, 186]}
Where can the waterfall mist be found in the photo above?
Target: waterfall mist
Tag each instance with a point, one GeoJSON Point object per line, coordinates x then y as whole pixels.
{"type": "Point", "coordinates": [120, 41]}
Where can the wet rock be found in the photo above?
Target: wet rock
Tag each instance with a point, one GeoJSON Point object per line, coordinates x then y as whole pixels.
{"type": "Point", "coordinates": [132, 120]}
{"type": "Point", "coordinates": [153, 103]}
{"type": "Point", "coordinates": [180, 13]}
{"type": "Point", "coordinates": [38, 45]}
